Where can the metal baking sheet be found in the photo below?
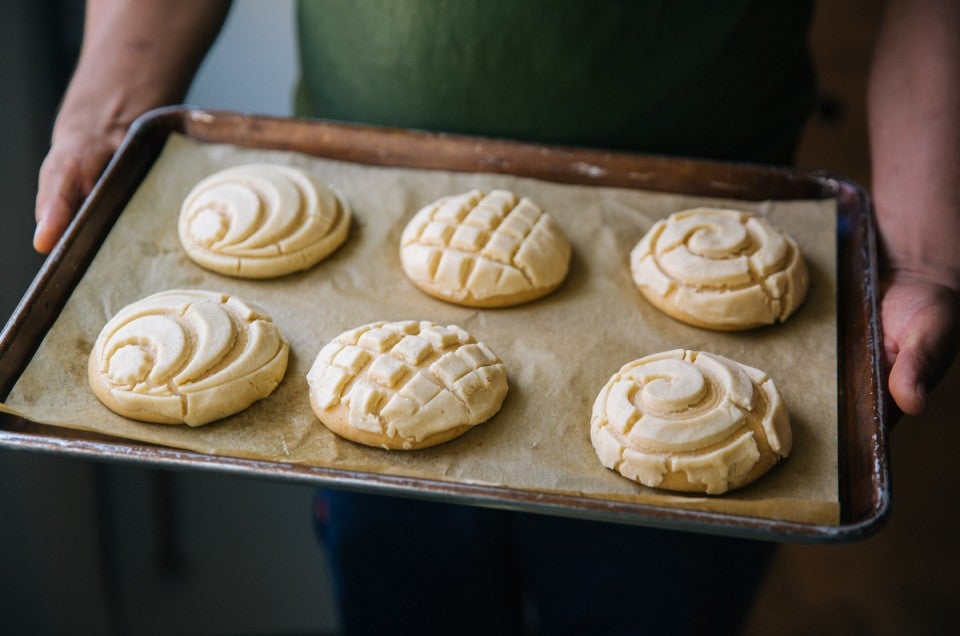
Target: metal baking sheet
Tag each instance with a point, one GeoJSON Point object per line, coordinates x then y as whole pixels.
{"type": "Point", "coordinates": [864, 473]}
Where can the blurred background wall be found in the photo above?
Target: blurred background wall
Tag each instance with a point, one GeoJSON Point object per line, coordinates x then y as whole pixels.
{"type": "Point", "coordinates": [89, 548]}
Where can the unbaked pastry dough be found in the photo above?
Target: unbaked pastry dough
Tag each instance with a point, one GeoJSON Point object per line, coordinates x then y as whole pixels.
{"type": "Point", "coordinates": [262, 220]}
{"type": "Point", "coordinates": [484, 250]}
{"type": "Point", "coordinates": [405, 385]}
{"type": "Point", "coordinates": [720, 269]}
{"type": "Point", "coordinates": [690, 421]}
{"type": "Point", "coordinates": [186, 357]}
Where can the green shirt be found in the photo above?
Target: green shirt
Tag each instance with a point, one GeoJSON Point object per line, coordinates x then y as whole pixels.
{"type": "Point", "coordinates": [712, 78]}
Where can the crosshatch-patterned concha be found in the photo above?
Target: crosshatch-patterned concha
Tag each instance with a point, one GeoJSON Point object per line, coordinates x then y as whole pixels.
{"type": "Point", "coordinates": [186, 357]}
{"type": "Point", "coordinates": [690, 421]}
{"type": "Point", "coordinates": [484, 250]}
{"type": "Point", "coordinates": [405, 385]}
{"type": "Point", "coordinates": [261, 221]}
{"type": "Point", "coordinates": [720, 269]}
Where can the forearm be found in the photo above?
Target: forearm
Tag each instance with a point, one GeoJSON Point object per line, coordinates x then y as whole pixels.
{"type": "Point", "coordinates": [136, 55]}
{"type": "Point", "coordinates": [914, 105]}
{"type": "Point", "coordinates": [914, 115]}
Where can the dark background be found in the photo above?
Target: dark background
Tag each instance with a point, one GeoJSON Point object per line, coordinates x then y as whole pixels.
{"type": "Point", "coordinates": [90, 548]}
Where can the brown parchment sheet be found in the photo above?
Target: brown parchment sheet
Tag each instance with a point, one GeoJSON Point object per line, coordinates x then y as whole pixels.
{"type": "Point", "coordinates": [559, 351]}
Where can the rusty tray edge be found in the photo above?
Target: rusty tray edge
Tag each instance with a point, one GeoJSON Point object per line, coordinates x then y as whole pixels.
{"type": "Point", "coordinates": [864, 422]}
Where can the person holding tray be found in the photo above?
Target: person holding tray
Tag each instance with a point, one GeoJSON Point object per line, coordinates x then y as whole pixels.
{"type": "Point", "coordinates": [729, 81]}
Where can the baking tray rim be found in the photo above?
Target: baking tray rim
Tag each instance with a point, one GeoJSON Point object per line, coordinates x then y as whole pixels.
{"type": "Point", "coordinates": [202, 125]}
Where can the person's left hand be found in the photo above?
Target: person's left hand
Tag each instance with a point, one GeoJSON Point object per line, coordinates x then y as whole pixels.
{"type": "Point", "coordinates": [920, 317]}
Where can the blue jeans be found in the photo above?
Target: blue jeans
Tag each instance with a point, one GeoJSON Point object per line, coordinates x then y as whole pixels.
{"type": "Point", "coordinates": [403, 566]}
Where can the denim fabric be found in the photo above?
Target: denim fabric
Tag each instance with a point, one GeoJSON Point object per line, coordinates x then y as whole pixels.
{"type": "Point", "coordinates": [403, 566]}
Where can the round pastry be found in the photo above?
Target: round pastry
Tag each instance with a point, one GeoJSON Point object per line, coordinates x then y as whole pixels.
{"type": "Point", "coordinates": [690, 421]}
{"type": "Point", "coordinates": [186, 357]}
{"type": "Point", "coordinates": [405, 385]}
{"type": "Point", "coordinates": [484, 250]}
{"type": "Point", "coordinates": [261, 221]}
{"type": "Point", "coordinates": [720, 269]}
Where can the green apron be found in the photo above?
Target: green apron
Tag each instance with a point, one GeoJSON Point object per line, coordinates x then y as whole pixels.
{"type": "Point", "coordinates": [710, 78]}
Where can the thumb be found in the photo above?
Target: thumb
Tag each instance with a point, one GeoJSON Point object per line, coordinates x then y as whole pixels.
{"type": "Point", "coordinates": [59, 194]}
{"type": "Point", "coordinates": [907, 386]}
{"type": "Point", "coordinates": [924, 347]}
{"type": "Point", "coordinates": [66, 176]}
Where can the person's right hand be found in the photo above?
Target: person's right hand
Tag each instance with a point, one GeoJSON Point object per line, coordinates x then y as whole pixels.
{"type": "Point", "coordinates": [77, 157]}
{"type": "Point", "coordinates": [136, 55]}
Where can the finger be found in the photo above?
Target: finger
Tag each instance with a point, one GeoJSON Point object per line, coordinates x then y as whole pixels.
{"type": "Point", "coordinates": [909, 391]}
{"type": "Point", "coordinates": [54, 217]}
{"type": "Point", "coordinates": [924, 353]}
{"type": "Point", "coordinates": [59, 193]}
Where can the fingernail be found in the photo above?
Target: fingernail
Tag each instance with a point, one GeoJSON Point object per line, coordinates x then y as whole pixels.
{"type": "Point", "coordinates": [922, 393]}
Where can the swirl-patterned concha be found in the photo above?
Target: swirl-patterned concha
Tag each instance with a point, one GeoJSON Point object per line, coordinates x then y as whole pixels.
{"type": "Point", "coordinates": [261, 221]}
{"type": "Point", "coordinates": [186, 357]}
{"type": "Point", "coordinates": [405, 385]}
{"type": "Point", "coordinates": [720, 269]}
{"type": "Point", "coordinates": [484, 250]}
{"type": "Point", "coordinates": [690, 421]}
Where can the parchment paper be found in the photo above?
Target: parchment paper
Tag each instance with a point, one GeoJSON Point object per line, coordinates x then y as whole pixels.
{"type": "Point", "coordinates": [559, 351]}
